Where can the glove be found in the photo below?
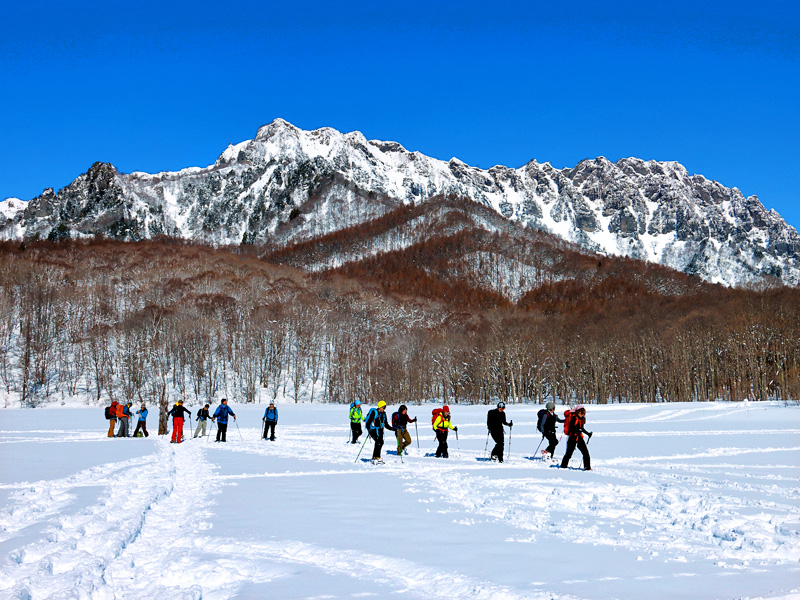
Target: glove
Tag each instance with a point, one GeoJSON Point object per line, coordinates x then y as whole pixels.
{"type": "Point", "coordinates": [455, 428]}
{"type": "Point", "coordinates": [415, 419]}
{"type": "Point", "coordinates": [511, 424]}
{"type": "Point", "coordinates": [590, 435]}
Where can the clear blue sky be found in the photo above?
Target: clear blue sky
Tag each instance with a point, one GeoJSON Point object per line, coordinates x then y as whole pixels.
{"type": "Point", "coordinates": [155, 86]}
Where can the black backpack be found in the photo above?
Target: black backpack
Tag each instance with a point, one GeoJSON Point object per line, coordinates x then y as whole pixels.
{"type": "Point", "coordinates": [108, 413]}
{"type": "Point", "coordinates": [542, 417]}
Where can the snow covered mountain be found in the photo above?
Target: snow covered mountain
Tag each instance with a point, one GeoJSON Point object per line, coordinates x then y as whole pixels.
{"type": "Point", "coordinates": [288, 185]}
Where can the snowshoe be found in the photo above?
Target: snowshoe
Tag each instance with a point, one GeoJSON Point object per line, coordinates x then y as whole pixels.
{"type": "Point", "coordinates": [377, 461]}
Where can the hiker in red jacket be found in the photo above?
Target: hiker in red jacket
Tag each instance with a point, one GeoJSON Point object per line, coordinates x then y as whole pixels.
{"type": "Point", "coordinates": [112, 421]}
{"type": "Point", "coordinates": [574, 428]}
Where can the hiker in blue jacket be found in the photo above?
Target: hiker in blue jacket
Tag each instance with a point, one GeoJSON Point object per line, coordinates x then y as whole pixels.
{"type": "Point", "coordinates": [376, 422]}
{"type": "Point", "coordinates": [142, 422]}
{"type": "Point", "coordinates": [221, 418]}
{"type": "Point", "coordinates": [270, 420]}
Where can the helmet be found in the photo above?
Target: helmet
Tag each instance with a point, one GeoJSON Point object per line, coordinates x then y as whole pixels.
{"type": "Point", "coordinates": [381, 404]}
{"type": "Point", "coordinates": [550, 406]}
{"type": "Point", "coordinates": [501, 404]}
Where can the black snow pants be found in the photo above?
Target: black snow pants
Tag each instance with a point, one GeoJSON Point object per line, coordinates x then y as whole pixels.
{"type": "Point", "coordinates": [441, 436]}
{"type": "Point", "coordinates": [498, 435]}
{"type": "Point", "coordinates": [355, 429]}
{"type": "Point", "coordinates": [222, 429]}
{"type": "Point", "coordinates": [269, 425]}
{"type": "Point", "coordinates": [377, 436]}
{"type": "Point", "coordinates": [571, 444]}
{"type": "Point", "coordinates": [553, 442]}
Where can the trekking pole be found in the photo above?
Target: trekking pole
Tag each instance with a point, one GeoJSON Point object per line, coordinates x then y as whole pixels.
{"type": "Point", "coordinates": [587, 445]}
{"type": "Point", "coordinates": [210, 429]}
{"type": "Point", "coordinates": [366, 437]}
{"type": "Point", "coordinates": [510, 429]}
{"type": "Point", "coordinates": [417, 432]}
{"type": "Point", "coordinates": [458, 446]}
{"type": "Point", "coordinates": [536, 452]}
{"type": "Point", "coordinates": [486, 445]}
{"type": "Point", "coordinates": [239, 430]}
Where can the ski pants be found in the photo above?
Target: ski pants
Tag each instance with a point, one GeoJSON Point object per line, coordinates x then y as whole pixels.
{"type": "Point", "coordinates": [143, 426]}
{"type": "Point", "coordinates": [572, 442]}
{"type": "Point", "coordinates": [499, 437]}
{"type": "Point", "coordinates": [222, 429]}
{"type": "Point", "coordinates": [403, 439]}
{"type": "Point", "coordinates": [201, 428]}
{"type": "Point", "coordinates": [552, 442]}
{"type": "Point", "coordinates": [441, 436]}
{"type": "Point", "coordinates": [269, 430]}
{"type": "Point", "coordinates": [112, 423]}
{"type": "Point", "coordinates": [377, 436]}
{"type": "Point", "coordinates": [177, 429]}
{"type": "Point", "coordinates": [355, 429]}
{"type": "Point", "coordinates": [123, 427]}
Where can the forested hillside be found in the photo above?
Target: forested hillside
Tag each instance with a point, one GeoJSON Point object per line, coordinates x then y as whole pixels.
{"type": "Point", "coordinates": [161, 320]}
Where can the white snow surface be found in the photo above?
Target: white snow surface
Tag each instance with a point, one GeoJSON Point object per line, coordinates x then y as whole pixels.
{"type": "Point", "coordinates": [684, 501]}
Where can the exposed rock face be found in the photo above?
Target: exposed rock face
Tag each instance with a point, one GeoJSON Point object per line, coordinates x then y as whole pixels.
{"type": "Point", "coordinates": [289, 185]}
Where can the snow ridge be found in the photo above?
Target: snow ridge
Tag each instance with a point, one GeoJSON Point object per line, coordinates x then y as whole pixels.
{"type": "Point", "coordinates": [288, 185]}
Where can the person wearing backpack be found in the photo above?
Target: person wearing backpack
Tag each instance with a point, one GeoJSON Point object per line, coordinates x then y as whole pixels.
{"type": "Point", "coordinates": [442, 425]}
{"type": "Point", "coordinates": [495, 419]}
{"type": "Point", "coordinates": [574, 426]}
{"type": "Point", "coordinates": [356, 417]}
{"type": "Point", "coordinates": [142, 422]}
{"type": "Point", "coordinates": [270, 420]}
{"type": "Point", "coordinates": [202, 420]}
{"type": "Point", "coordinates": [177, 413]}
{"type": "Point", "coordinates": [376, 423]}
{"type": "Point", "coordinates": [124, 419]}
{"type": "Point", "coordinates": [221, 417]}
{"type": "Point", "coordinates": [547, 425]}
{"type": "Point", "coordinates": [111, 415]}
{"type": "Point", "coordinates": [400, 421]}
{"type": "Point", "coordinates": [123, 423]}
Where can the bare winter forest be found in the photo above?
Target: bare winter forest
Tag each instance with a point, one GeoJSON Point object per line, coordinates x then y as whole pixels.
{"type": "Point", "coordinates": [162, 320]}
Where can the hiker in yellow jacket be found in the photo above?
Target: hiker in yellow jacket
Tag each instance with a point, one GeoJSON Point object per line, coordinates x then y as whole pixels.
{"type": "Point", "coordinates": [442, 425]}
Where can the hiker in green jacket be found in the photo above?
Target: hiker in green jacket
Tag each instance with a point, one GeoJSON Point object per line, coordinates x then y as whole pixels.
{"type": "Point", "coordinates": [356, 417]}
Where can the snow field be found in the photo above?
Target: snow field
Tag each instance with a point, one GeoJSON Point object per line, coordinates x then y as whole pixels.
{"type": "Point", "coordinates": [685, 500]}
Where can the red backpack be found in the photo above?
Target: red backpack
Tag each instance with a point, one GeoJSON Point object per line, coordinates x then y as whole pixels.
{"type": "Point", "coordinates": [568, 418]}
{"type": "Point", "coordinates": [436, 413]}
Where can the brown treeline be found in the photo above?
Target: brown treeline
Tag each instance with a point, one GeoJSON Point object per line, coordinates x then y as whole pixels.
{"type": "Point", "coordinates": [162, 320]}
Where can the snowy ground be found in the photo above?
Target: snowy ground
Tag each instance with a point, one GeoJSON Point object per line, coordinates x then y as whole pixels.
{"type": "Point", "coordinates": [686, 501]}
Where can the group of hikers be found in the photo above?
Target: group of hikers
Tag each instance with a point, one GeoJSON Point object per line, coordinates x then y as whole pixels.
{"type": "Point", "coordinates": [120, 413]}
{"type": "Point", "coordinates": [376, 421]}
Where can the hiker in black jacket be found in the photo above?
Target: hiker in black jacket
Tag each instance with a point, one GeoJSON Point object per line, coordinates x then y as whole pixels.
{"type": "Point", "coordinates": [576, 427]}
{"type": "Point", "coordinates": [495, 420]}
{"type": "Point", "coordinates": [549, 430]}
{"type": "Point", "coordinates": [202, 420]}
{"type": "Point", "coordinates": [177, 413]}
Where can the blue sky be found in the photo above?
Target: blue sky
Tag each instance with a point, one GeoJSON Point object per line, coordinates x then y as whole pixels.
{"type": "Point", "coordinates": [164, 85]}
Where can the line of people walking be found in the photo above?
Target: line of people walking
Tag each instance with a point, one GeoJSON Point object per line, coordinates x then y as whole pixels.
{"type": "Point", "coordinates": [376, 422]}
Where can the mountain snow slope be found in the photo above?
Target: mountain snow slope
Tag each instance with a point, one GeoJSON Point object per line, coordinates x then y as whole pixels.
{"type": "Point", "coordinates": [288, 185]}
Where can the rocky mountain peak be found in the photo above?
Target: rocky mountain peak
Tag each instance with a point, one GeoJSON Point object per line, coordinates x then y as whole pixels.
{"type": "Point", "coordinates": [288, 185]}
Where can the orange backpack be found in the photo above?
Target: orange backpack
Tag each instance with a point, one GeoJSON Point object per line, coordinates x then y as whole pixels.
{"type": "Point", "coordinates": [120, 410]}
